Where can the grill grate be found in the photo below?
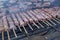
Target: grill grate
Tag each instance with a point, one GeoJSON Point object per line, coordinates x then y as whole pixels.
{"type": "Point", "coordinates": [17, 34]}
{"type": "Point", "coordinates": [18, 26]}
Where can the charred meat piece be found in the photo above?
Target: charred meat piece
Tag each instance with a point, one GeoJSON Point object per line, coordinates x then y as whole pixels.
{"type": "Point", "coordinates": [10, 22]}
{"type": "Point", "coordinates": [1, 25]}
{"type": "Point", "coordinates": [21, 22]}
{"type": "Point", "coordinates": [5, 23]}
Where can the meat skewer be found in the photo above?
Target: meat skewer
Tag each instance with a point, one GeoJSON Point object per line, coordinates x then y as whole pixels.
{"type": "Point", "coordinates": [37, 13]}
{"type": "Point", "coordinates": [11, 24]}
{"type": "Point", "coordinates": [45, 16]}
{"type": "Point", "coordinates": [5, 23]}
{"type": "Point", "coordinates": [42, 14]}
{"type": "Point", "coordinates": [29, 18]}
{"type": "Point", "coordinates": [56, 20]}
{"type": "Point", "coordinates": [48, 22]}
{"type": "Point", "coordinates": [37, 18]}
{"type": "Point", "coordinates": [58, 14]}
{"type": "Point", "coordinates": [16, 21]}
{"type": "Point", "coordinates": [27, 22]}
{"type": "Point", "coordinates": [1, 25]}
{"type": "Point", "coordinates": [23, 18]}
{"type": "Point", "coordinates": [33, 19]}
{"type": "Point", "coordinates": [52, 22]}
{"type": "Point", "coordinates": [48, 19]}
{"type": "Point", "coordinates": [32, 16]}
{"type": "Point", "coordinates": [21, 22]}
{"type": "Point", "coordinates": [49, 11]}
{"type": "Point", "coordinates": [54, 17]}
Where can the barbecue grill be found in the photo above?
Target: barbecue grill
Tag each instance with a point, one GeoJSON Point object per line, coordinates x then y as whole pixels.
{"type": "Point", "coordinates": [22, 18]}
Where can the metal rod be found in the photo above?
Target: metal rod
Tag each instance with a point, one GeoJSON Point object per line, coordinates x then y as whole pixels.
{"type": "Point", "coordinates": [25, 30]}
{"type": "Point", "coordinates": [49, 23]}
{"type": "Point", "coordinates": [14, 33]}
{"type": "Point", "coordinates": [30, 26]}
{"type": "Point", "coordinates": [8, 35]}
{"type": "Point", "coordinates": [41, 25]}
{"type": "Point", "coordinates": [19, 28]}
{"type": "Point", "coordinates": [45, 23]}
{"type": "Point", "coordinates": [52, 22]}
{"type": "Point", "coordinates": [2, 35]}
{"type": "Point", "coordinates": [36, 25]}
{"type": "Point", "coordinates": [56, 21]}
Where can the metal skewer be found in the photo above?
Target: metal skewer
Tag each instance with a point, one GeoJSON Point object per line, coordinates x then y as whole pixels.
{"type": "Point", "coordinates": [36, 25]}
{"type": "Point", "coordinates": [45, 23]}
{"type": "Point", "coordinates": [25, 29]}
{"type": "Point", "coordinates": [14, 33]}
{"type": "Point", "coordinates": [49, 23]}
{"type": "Point", "coordinates": [52, 22]}
{"type": "Point", "coordinates": [56, 21]}
{"type": "Point", "coordinates": [30, 26]}
{"type": "Point", "coordinates": [16, 21]}
{"type": "Point", "coordinates": [11, 23]}
{"type": "Point", "coordinates": [8, 35]}
{"type": "Point", "coordinates": [23, 16]}
{"type": "Point", "coordinates": [2, 35]}
{"type": "Point", "coordinates": [19, 28]}
{"type": "Point", "coordinates": [38, 22]}
{"type": "Point", "coordinates": [33, 19]}
{"type": "Point", "coordinates": [41, 25]}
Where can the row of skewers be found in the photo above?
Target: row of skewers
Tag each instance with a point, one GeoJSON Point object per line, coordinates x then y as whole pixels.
{"type": "Point", "coordinates": [9, 22]}
{"type": "Point", "coordinates": [24, 18]}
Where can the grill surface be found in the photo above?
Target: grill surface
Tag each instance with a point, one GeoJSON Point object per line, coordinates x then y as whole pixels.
{"type": "Point", "coordinates": [18, 34]}
{"type": "Point", "coordinates": [15, 30]}
{"type": "Point", "coordinates": [41, 26]}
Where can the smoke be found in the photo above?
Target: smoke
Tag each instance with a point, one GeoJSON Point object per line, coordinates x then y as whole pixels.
{"type": "Point", "coordinates": [15, 6]}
